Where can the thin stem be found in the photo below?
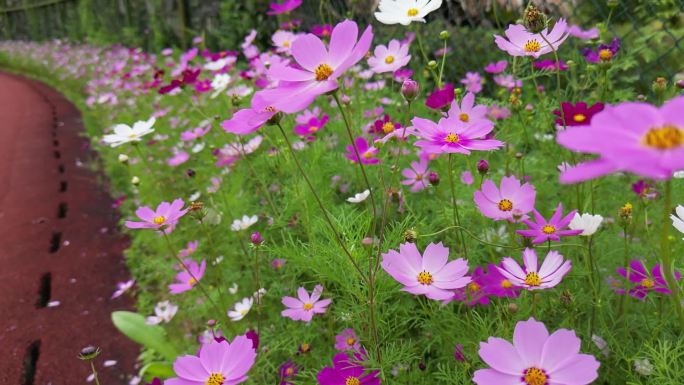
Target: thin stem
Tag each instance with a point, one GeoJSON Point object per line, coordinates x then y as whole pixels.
{"type": "Point", "coordinates": [92, 367]}
{"type": "Point", "coordinates": [258, 287]}
{"type": "Point", "coordinates": [665, 253]}
{"type": "Point", "coordinates": [456, 215]}
{"type": "Point", "coordinates": [441, 67]}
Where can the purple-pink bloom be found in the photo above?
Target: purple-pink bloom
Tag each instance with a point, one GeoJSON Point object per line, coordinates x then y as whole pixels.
{"type": "Point", "coordinates": [550, 65]}
{"type": "Point", "coordinates": [634, 137]}
{"type": "Point", "coordinates": [472, 82]}
{"type": "Point", "coordinates": [216, 363]}
{"type": "Point", "coordinates": [441, 97]}
{"type": "Point", "coordinates": [311, 127]}
{"type": "Point", "coordinates": [366, 152]}
{"type": "Point", "coordinates": [287, 371]}
{"type": "Point", "coordinates": [467, 178]}
{"type": "Point", "coordinates": [578, 114]}
{"type": "Point", "coordinates": [473, 293]}
{"type": "Point", "coordinates": [496, 67]}
{"type": "Point", "coordinates": [178, 158]}
{"type": "Point", "coordinates": [304, 307]}
{"type": "Point", "coordinates": [389, 58]}
{"type": "Point", "coordinates": [578, 32]}
{"type": "Point", "coordinates": [416, 175]}
{"type": "Point", "coordinates": [646, 281]}
{"type": "Point", "coordinates": [511, 202]}
{"type": "Point", "coordinates": [467, 111]}
{"type": "Point", "coordinates": [249, 120]}
{"type": "Point", "coordinates": [536, 358]}
{"type": "Point", "coordinates": [164, 218]}
{"type": "Point", "coordinates": [189, 249]}
{"type": "Point", "coordinates": [431, 274]}
{"type": "Point", "coordinates": [507, 81]}
{"type": "Point", "coordinates": [347, 371]}
{"type": "Point", "coordinates": [195, 133]}
{"type": "Point", "coordinates": [452, 135]}
{"type": "Point", "coordinates": [284, 7]}
{"type": "Point", "coordinates": [520, 42]}
{"type": "Point", "coordinates": [190, 276]}
{"type": "Point", "coordinates": [322, 31]}
{"type": "Point", "coordinates": [542, 230]}
{"type": "Point", "coordinates": [498, 285]}
{"type": "Point", "coordinates": [533, 277]}
{"type": "Point", "coordinates": [347, 340]}
{"type": "Point", "coordinates": [604, 53]}
{"type": "Point", "coordinates": [319, 67]}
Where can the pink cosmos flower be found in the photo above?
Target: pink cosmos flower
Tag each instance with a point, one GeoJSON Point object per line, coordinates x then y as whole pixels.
{"type": "Point", "coordinates": [550, 65]}
{"type": "Point", "coordinates": [520, 42]}
{"type": "Point", "coordinates": [249, 120]}
{"type": "Point", "coordinates": [311, 127]}
{"type": "Point", "coordinates": [287, 371]}
{"type": "Point", "coordinates": [552, 270]}
{"type": "Point", "coordinates": [190, 248]}
{"type": "Point", "coordinates": [507, 81]}
{"type": "Point", "coordinates": [551, 230]}
{"type": "Point", "coordinates": [646, 281]}
{"type": "Point", "coordinates": [635, 137]}
{"type": "Point", "coordinates": [322, 31]}
{"type": "Point", "coordinates": [282, 40]}
{"type": "Point", "coordinates": [467, 178]}
{"type": "Point", "coordinates": [536, 358]}
{"type": "Point", "coordinates": [191, 274]}
{"type": "Point", "coordinates": [473, 293]}
{"type": "Point", "coordinates": [496, 284]}
{"type": "Point", "coordinates": [319, 68]}
{"type": "Point", "coordinates": [467, 111]}
{"type": "Point", "coordinates": [578, 32]}
{"type": "Point", "coordinates": [122, 287]}
{"type": "Point", "coordinates": [216, 363]}
{"type": "Point", "coordinates": [164, 218]}
{"type": "Point", "coordinates": [416, 176]}
{"type": "Point", "coordinates": [496, 67]}
{"type": "Point", "coordinates": [307, 115]}
{"type": "Point", "coordinates": [472, 82]}
{"type": "Point", "coordinates": [304, 307]}
{"type": "Point", "coordinates": [347, 371]}
{"type": "Point", "coordinates": [366, 152]}
{"type": "Point", "coordinates": [347, 340]}
{"type": "Point", "coordinates": [389, 58]}
{"type": "Point", "coordinates": [430, 274]}
{"type": "Point", "coordinates": [452, 135]}
{"type": "Point", "coordinates": [195, 133]}
{"type": "Point", "coordinates": [178, 158]}
{"type": "Point", "coordinates": [496, 113]}
{"type": "Point", "coordinates": [441, 97]}
{"type": "Point", "coordinates": [512, 202]}
{"type": "Point", "coordinates": [284, 7]}
{"type": "Point", "coordinates": [578, 114]}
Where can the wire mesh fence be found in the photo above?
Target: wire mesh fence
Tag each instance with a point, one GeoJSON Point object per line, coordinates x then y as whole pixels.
{"type": "Point", "coordinates": [654, 27]}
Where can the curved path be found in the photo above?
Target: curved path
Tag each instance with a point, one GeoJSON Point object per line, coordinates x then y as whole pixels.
{"type": "Point", "coordinates": [58, 243]}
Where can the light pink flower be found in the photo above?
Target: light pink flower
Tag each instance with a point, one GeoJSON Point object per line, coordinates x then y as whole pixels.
{"type": "Point", "coordinates": [347, 340]}
{"type": "Point", "coordinates": [520, 42]}
{"type": "Point", "coordinates": [467, 111]}
{"type": "Point", "coordinates": [512, 202]}
{"type": "Point", "coordinates": [191, 274]}
{"type": "Point", "coordinates": [304, 307]}
{"type": "Point", "coordinates": [531, 277]}
{"type": "Point", "coordinates": [389, 58]}
{"type": "Point", "coordinates": [416, 176]}
{"type": "Point", "coordinates": [165, 217]}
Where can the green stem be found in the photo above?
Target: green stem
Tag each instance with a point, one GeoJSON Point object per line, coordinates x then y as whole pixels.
{"type": "Point", "coordinates": [258, 287]}
{"type": "Point", "coordinates": [92, 367]}
{"type": "Point", "coordinates": [454, 204]}
{"type": "Point", "coordinates": [665, 253]}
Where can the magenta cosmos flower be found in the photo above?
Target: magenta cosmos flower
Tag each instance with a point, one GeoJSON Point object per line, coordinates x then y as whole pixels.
{"type": "Point", "coordinates": [536, 358]}
{"type": "Point", "coordinates": [533, 277]}
{"type": "Point", "coordinates": [578, 114]}
{"type": "Point", "coordinates": [218, 363]}
{"type": "Point", "coordinates": [431, 274]}
{"type": "Point", "coordinates": [319, 67]}
{"type": "Point", "coordinates": [551, 230]}
{"type": "Point", "coordinates": [284, 7]}
{"type": "Point", "coordinates": [452, 135]}
{"type": "Point", "coordinates": [520, 42]}
{"type": "Point", "coordinates": [496, 284]}
{"type": "Point", "coordinates": [496, 67]}
{"type": "Point", "coordinates": [441, 97]}
{"type": "Point", "coordinates": [164, 218]}
{"type": "Point", "coordinates": [646, 281]}
{"type": "Point", "coordinates": [249, 120]}
{"type": "Point", "coordinates": [416, 175]}
{"type": "Point", "coordinates": [389, 58]}
{"type": "Point", "coordinates": [511, 202]}
{"type": "Point", "coordinates": [366, 152]}
{"type": "Point", "coordinates": [634, 137]}
{"type": "Point", "coordinates": [311, 127]}
{"type": "Point", "coordinates": [347, 340]}
{"type": "Point", "coordinates": [190, 276]}
{"type": "Point", "coordinates": [347, 371]}
{"type": "Point", "coordinates": [287, 372]}
{"type": "Point", "coordinates": [304, 307]}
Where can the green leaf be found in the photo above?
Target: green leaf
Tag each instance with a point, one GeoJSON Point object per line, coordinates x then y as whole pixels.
{"type": "Point", "coordinates": [150, 336]}
{"type": "Point", "coordinates": [163, 370]}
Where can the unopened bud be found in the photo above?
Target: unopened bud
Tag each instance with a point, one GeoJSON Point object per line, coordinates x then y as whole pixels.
{"type": "Point", "coordinates": [433, 178]}
{"type": "Point", "coordinates": [659, 85]}
{"type": "Point", "coordinates": [534, 19]}
{"type": "Point", "coordinates": [89, 353]}
{"type": "Point", "coordinates": [410, 235]}
{"type": "Point", "coordinates": [256, 238]}
{"type": "Point", "coordinates": [432, 64]}
{"type": "Point", "coordinates": [410, 89]}
{"type": "Point", "coordinates": [123, 158]}
{"type": "Point", "coordinates": [444, 35]}
{"type": "Point", "coordinates": [135, 181]}
{"type": "Point", "coordinates": [512, 308]}
{"type": "Point", "coordinates": [482, 166]}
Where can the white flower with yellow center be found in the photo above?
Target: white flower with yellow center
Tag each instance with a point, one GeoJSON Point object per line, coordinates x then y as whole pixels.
{"type": "Point", "coordinates": [125, 134]}
{"type": "Point", "coordinates": [241, 309]}
{"type": "Point", "coordinates": [586, 222]}
{"type": "Point", "coordinates": [405, 11]}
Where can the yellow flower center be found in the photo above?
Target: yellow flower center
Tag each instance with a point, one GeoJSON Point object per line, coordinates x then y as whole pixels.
{"type": "Point", "coordinates": [389, 59]}
{"type": "Point", "coordinates": [473, 287]}
{"type": "Point", "coordinates": [647, 283]}
{"type": "Point", "coordinates": [535, 376]}
{"type": "Point", "coordinates": [411, 12]}
{"type": "Point", "coordinates": [532, 279]}
{"type": "Point", "coordinates": [464, 117]}
{"type": "Point", "coordinates": [419, 176]}
{"type": "Point", "coordinates": [270, 109]}
{"type": "Point", "coordinates": [664, 138]}
{"type": "Point", "coordinates": [159, 220]}
{"type": "Point", "coordinates": [352, 381]}
{"type": "Point", "coordinates": [351, 341]}
{"type": "Point", "coordinates": [425, 278]}
{"type": "Point", "coordinates": [505, 205]}
{"type": "Point", "coordinates": [215, 379]}
{"type": "Point", "coordinates": [308, 306]}
{"type": "Point", "coordinates": [388, 127]}
{"type": "Point", "coordinates": [286, 44]}
{"type": "Point", "coordinates": [548, 229]}
{"type": "Point", "coordinates": [323, 72]}
{"type": "Point", "coordinates": [192, 282]}
{"type": "Point", "coordinates": [506, 284]}
{"type": "Point", "coordinates": [243, 311]}
{"type": "Point", "coordinates": [367, 154]}
{"type": "Point", "coordinates": [532, 46]}
{"type": "Point", "coordinates": [605, 54]}
{"type": "Point", "coordinates": [452, 138]}
{"type": "Point", "coordinates": [579, 118]}
{"type": "Point", "coordinates": [304, 347]}
{"type": "Point", "coordinates": [313, 128]}
{"type": "Point", "coordinates": [289, 371]}
{"type": "Point", "coordinates": [132, 136]}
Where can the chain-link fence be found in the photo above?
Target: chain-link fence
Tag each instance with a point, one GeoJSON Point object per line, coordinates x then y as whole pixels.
{"type": "Point", "coordinates": [654, 27]}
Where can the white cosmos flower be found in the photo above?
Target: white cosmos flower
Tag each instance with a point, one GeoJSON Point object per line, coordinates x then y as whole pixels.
{"type": "Point", "coordinates": [241, 309]}
{"type": "Point", "coordinates": [586, 222]}
{"type": "Point", "coordinates": [678, 220]}
{"type": "Point", "coordinates": [259, 294]}
{"type": "Point", "coordinates": [163, 312]}
{"type": "Point", "coordinates": [244, 223]}
{"type": "Point", "coordinates": [125, 134]}
{"type": "Point", "coordinates": [233, 289]}
{"type": "Point", "coordinates": [679, 174]}
{"type": "Point", "coordinates": [405, 11]}
{"type": "Point", "coordinates": [219, 64]}
{"type": "Point", "coordinates": [360, 197]}
{"type": "Point", "coordinates": [219, 84]}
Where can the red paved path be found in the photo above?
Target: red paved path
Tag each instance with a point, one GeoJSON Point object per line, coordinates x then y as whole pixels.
{"type": "Point", "coordinates": [39, 151]}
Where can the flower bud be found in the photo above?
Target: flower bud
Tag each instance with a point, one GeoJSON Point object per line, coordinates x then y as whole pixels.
{"type": "Point", "coordinates": [345, 99]}
{"type": "Point", "coordinates": [432, 64]}
{"type": "Point", "coordinates": [512, 308]}
{"type": "Point", "coordinates": [680, 83]}
{"type": "Point", "coordinates": [410, 89]}
{"type": "Point", "coordinates": [534, 20]}
{"type": "Point", "coordinates": [256, 238]}
{"type": "Point", "coordinates": [135, 181]}
{"type": "Point", "coordinates": [190, 173]}
{"type": "Point", "coordinates": [433, 178]}
{"type": "Point", "coordinates": [612, 3]}
{"type": "Point", "coordinates": [659, 85]}
{"type": "Point", "coordinates": [89, 353]}
{"type": "Point", "coordinates": [482, 166]}
{"type": "Point", "coordinates": [123, 158]}
{"type": "Point", "coordinates": [444, 35]}
{"type": "Point", "coordinates": [410, 235]}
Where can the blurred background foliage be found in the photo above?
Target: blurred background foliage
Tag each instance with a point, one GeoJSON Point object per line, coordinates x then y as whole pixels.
{"type": "Point", "coordinates": [651, 30]}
